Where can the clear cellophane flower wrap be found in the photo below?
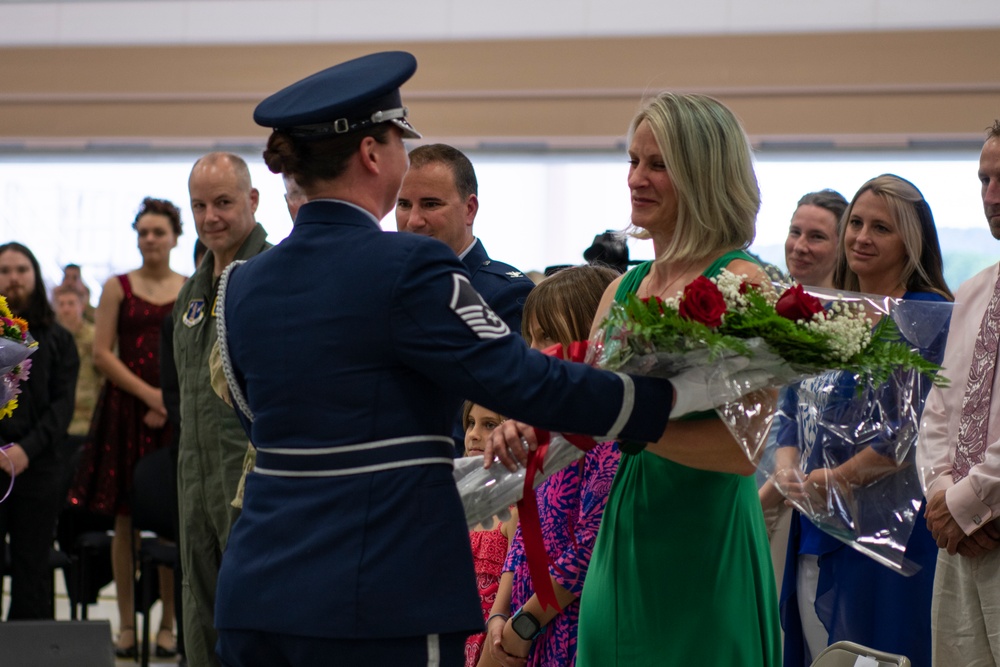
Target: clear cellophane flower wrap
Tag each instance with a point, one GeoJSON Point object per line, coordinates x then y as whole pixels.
{"type": "Point", "coordinates": [842, 444]}
{"type": "Point", "coordinates": [488, 493]}
{"type": "Point", "coordinates": [12, 353]}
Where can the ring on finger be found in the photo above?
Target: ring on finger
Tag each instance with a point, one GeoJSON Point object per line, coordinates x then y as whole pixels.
{"type": "Point", "coordinates": [524, 442]}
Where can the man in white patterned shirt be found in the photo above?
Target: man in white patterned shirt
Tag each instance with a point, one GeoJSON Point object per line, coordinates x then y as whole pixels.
{"type": "Point", "coordinates": [959, 459]}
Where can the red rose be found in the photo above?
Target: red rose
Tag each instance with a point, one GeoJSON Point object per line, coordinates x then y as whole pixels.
{"type": "Point", "coordinates": [795, 304]}
{"type": "Point", "coordinates": [702, 302]}
{"type": "Point", "coordinates": [747, 286]}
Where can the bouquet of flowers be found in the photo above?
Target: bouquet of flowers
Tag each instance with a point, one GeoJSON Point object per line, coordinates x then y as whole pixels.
{"type": "Point", "coordinates": [843, 447]}
{"type": "Point", "coordinates": [16, 345]}
{"type": "Point", "coordinates": [738, 338]}
{"type": "Point", "coordinates": [849, 414]}
{"type": "Point", "coordinates": [789, 337]}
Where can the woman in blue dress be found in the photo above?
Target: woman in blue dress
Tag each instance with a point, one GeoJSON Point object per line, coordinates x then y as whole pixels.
{"type": "Point", "coordinates": [829, 435]}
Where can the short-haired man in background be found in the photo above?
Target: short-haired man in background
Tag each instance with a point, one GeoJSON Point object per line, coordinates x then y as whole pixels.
{"type": "Point", "coordinates": [959, 460]}
{"type": "Point", "coordinates": [439, 198]}
{"type": "Point", "coordinates": [212, 443]}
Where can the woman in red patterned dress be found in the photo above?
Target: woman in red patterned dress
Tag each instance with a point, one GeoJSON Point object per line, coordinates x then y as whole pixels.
{"type": "Point", "coordinates": [130, 420]}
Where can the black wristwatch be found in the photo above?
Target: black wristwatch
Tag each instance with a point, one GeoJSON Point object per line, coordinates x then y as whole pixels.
{"type": "Point", "coordinates": [526, 625]}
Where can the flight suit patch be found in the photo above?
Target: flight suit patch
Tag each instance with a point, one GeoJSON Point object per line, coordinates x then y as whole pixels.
{"type": "Point", "coordinates": [195, 312]}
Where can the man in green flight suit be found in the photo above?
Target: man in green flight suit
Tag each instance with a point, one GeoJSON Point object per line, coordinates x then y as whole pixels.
{"type": "Point", "coordinates": [212, 444]}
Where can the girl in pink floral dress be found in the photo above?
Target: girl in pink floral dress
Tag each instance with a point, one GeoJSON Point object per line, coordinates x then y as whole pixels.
{"type": "Point", "coordinates": [570, 502]}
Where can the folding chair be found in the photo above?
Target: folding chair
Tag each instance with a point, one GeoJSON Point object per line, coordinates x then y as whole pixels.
{"type": "Point", "coordinates": [154, 509]}
{"type": "Point", "coordinates": [849, 654]}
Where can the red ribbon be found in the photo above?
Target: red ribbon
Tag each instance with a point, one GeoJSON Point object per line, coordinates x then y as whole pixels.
{"type": "Point", "coordinates": [527, 507]}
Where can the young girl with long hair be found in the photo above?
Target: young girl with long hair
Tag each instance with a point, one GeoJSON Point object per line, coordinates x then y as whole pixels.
{"type": "Point", "coordinates": [570, 503]}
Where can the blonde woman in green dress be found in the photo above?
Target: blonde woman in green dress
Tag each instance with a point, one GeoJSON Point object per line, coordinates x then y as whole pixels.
{"type": "Point", "coordinates": [681, 572]}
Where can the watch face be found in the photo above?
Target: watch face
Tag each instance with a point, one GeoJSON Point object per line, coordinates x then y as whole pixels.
{"type": "Point", "coordinates": [525, 625]}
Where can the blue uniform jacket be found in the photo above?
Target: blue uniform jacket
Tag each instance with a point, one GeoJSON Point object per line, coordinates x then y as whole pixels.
{"type": "Point", "coordinates": [504, 289]}
{"type": "Point", "coordinates": [343, 335]}
{"type": "Point", "coordinates": [502, 286]}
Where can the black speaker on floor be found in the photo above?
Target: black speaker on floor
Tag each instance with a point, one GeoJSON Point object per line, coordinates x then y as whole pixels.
{"type": "Point", "coordinates": [56, 644]}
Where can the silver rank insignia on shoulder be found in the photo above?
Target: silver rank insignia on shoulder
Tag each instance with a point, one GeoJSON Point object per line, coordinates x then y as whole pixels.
{"type": "Point", "coordinates": [515, 274]}
{"type": "Point", "coordinates": [477, 315]}
{"type": "Point", "coordinates": [195, 312]}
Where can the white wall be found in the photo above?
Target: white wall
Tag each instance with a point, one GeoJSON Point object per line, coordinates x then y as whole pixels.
{"type": "Point", "coordinates": [144, 22]}
{"type": "Point", "coordinates": [535, 211]}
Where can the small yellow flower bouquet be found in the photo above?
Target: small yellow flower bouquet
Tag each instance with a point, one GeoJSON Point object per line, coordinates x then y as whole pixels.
{"type": "Point", "coordinates": [16, 345]}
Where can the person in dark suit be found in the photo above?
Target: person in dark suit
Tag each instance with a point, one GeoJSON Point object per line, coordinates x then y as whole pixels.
{"type": "Point", "coordinates": [439, 198]}
{"type": "Point", "coordinates": [34, 436]}
{"type": "Point", "coordinates": [348, 351]}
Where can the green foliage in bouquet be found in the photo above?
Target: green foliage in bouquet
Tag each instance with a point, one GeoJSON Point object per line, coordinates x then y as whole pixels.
{"type": "Point", "coordinates": [888, 352]}
{"type": "Point", "coordinates": [651, 325]}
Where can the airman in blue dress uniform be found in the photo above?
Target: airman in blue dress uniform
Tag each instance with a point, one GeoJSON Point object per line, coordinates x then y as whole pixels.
{"type": "Point", "coordinates": [352, 349]}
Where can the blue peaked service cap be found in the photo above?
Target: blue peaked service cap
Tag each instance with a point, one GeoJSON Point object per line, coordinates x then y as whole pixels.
{"type": "Point", "coordinates": [344, 98]}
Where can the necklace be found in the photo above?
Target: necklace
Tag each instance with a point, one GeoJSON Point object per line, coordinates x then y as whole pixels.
{"type": "Point", "coordinates": [153, 288]}
{"type": "Point", "coordinates": [662, 292]}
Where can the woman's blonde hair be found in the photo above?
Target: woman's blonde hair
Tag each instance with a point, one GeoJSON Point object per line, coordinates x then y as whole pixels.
{"type": "Point", "coordinates": [922, 271]}
{"type": "Point", "coordinates": [565, 304]}
{"type": "Point", "coordinates": [709, 160]}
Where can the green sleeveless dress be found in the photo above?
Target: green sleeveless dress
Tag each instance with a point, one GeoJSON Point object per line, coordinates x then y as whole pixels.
{"type": "Point", "coordinates": [681, 572]}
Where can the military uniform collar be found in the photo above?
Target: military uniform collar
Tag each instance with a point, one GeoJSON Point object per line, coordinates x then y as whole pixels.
{"type": "Point", "coordinates": [475, 256]}
{"type": "Point", "coordinates": [334, 211]}
{"type": "Point", "coordinates": [468, 248]}
{"type": "Point", "coordinates": [252, 245]}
